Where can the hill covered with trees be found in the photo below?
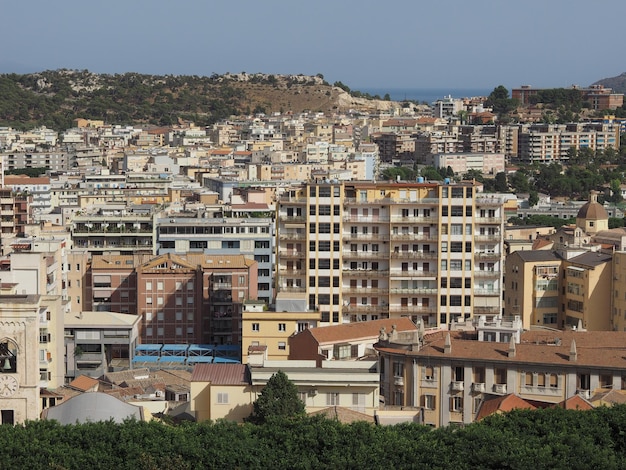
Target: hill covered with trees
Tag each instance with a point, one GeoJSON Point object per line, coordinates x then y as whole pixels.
{"type": "Point", "coordinates": [523, 439]}
{"type": "Point", "coordinates": [56, 98]}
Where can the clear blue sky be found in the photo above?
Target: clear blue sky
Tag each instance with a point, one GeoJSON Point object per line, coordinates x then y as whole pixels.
{"type": "Point", "coordinates": [365, 44]}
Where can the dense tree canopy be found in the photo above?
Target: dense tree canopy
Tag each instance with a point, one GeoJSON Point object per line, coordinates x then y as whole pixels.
{"type": "Point", "coordinates": [539, 439]}
{"type": "Point", "coordinates": [278, 399]}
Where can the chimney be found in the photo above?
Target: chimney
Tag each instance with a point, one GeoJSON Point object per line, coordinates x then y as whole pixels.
{"type": "Point", "coordinates": [573, 355]}
{"type": "Point", "coordinates": [512, 347]}
{"type": "Point", "coordinates": [447, 346]}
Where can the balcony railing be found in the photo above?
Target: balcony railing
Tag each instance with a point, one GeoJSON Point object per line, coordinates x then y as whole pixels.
{"type": "Point", "coordinates": [413, 290]}
{"type": "Point", "coordinates": [478, 387]}
{"type": "Point", "coordinates": [366, 236]}
{"type": "Point", "coordinates": [488, 220]}
{"type": "Point", "coordinates": [398, 380]}
{"type": "Point", "coordinates": [428, 237]}
{"type": "Point", "coordinates": [293, 219]}
{"type": "Point", "coordinates": [487, 274]}
{"type": "Point", "coordinates": [365, 254]}
{"type": "Point", "coordinates": [359, 308]}
{"type": "Point", "coordinates": [457, 386]}
{"type": "Point", "coordinates": [365, 290]}
{"type": "Point", "coordinates": [499, 389]}
{"type": "Point", "coordinates": [487, 256]}
{"type": "Point", "coordinates": [414, 254]}
{"type": "Point", "coordinates": [366, 272]}
{"type": "Point", "coordinates": [411, 273]}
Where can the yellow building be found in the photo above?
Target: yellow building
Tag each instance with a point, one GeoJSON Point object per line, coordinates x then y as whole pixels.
{"type": "Point", "coordinates": [618, 313]}
{"type": "Point", "coordinates": [362, 251]}
{"type": "Point", "coordinates": [221, 391]}
{"type": "Point", "coordinates": [268, 332]}
{"type": "Point", "coordinates": [532, 287]}
{"type": "Point", "coordinates": [587, 291]}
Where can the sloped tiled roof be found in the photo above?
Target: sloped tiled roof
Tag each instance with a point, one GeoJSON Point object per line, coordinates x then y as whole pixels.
{"type": "Point", "coordinates": [502, 404]}
{"type": "Point", "coordinates": [598, 349]}
{"type": "Point", "coordinates": [221, 374]}
{"type": "Point", "coordinates": [359, 330]}
{"type": "Point", "coordinates": [343, 415]}
{"type": "Point", "coordinates": [84, 383]}
{"type": "Point", "coordinates": [575, 403]}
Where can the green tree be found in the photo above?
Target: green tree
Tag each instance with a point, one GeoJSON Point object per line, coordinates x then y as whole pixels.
{"type": "Point", "coordinates": [533, 198]}
{"type": "Point", "coordinates": [501, 184]}
{"type": "Point", "coordinates": [278, 399]}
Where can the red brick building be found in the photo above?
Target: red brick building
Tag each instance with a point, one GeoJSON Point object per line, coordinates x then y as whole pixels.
{"type": "Point", "coordinates": [181, 299]}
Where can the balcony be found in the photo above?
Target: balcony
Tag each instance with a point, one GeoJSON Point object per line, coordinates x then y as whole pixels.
{"type": "Point", "coordinates": [365, 254]}
{"type": "Point", "coordinates": [457, 386]}
{"type": "Point", "coordinates": [398, 380]}
{"type": "Point", "coordinates": [586, 394]}
{"type": "Point", "coordinates": [292, 236]}
{"type": "Point", "coordinates": [488, 292]}
{"type": "Point", "coordinates": [412, 273]}
{"type": "Point", "coordinates": [366, 236]}
{"type": "Point", "coordinates": [491, 310]}
{"type": "Point", "coordinates": [485, 255]}
{"type": "Point", "coordinates": [478, 387]}
{"type": "Point", "coordinates": [493, 238]}
{"type": "Point", "coordinates": [290, 254]}
{"type": "Point", "coordinates": [291, 289]}
{"type": "Point", "coordinates": [500, 389]}
{"type": "Point", "coordinates": [487, 220]}
{"type": "Point", "coordinates": [427, 237]}
{"type": "Point", "coordinates": [413, 290]}
{"type": "Point", "coordinates": [396, 219]}
{"type": "Point", "coordinates": [292, 219]}
{"type": "Point", "coordinates": [414, 254]}
{"type": "Point", "coordinates": [360, 308]}
{"type": "Point", "coordinates": [487, 274]}
{"type": "Point", "coordinates": [365, 290]}
{"type": "Point", "coordinates": [364, 220]}
{"type": "Point", "coordinates": [413, 309]}
{"type": "Point", "coordinates": [366, 273]}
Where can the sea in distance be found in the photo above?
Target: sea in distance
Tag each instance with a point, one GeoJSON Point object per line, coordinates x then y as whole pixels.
{"type": "Point", "coordinates": [427, 95]}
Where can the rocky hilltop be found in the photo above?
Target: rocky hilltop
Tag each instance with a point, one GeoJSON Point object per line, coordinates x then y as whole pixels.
{"type": "Point", "coordinates": [56, 98]}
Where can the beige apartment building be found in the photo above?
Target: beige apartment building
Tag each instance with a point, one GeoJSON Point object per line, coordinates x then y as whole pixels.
{"type": "Point", "coordinates": [446, 376]}
{"type": "Point", "coordinates": [363, 251]}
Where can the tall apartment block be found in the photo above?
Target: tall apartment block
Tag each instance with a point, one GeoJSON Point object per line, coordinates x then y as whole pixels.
{"type": "Point", "coordinates": [431, 251]}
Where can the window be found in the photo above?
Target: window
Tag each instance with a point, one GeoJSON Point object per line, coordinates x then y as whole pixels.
{"type": "Point", "coordinates": [429, 402]}
{"type": "Point", "coordinates": [456, 404]}
{"type": "Point", "coordinates": [282, 327]}
{"type": "Point", "coordinates": [429, 373]}
{"type": "Point", "coordinates": [256, 327]}
{"type": "Point", "coordinates": [528, 379]}
{"type": "Point", "coordinates": [148, 285]}
{"type": "Point", "coordinates": [282, 346]}
{"type": "Point", "coordinates": [222, 398]}
{"type": "Point", "coordinates": [332, 399]}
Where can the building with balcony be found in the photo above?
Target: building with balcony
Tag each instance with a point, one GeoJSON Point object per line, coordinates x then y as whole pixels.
{"type": "Point", "coordinates": [114, 231]}
{"type": "Point", "coordinates": [448, 375]}
{"type": "Point", "coordinates": [366, 251]}
{"type": "Point", "coordinates": [184, 299]}
{"type": "Point", "coordinates": [99, 342]}
{"type": "Point", "coordinates": [253, 237]}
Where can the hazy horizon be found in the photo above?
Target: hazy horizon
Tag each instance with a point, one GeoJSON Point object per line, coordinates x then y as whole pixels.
{"type": "Point", "coordinates": [402, 44]}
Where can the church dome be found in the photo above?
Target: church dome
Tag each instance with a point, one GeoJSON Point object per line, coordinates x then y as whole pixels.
{"type": "Point", "coordinates": [592, 211]}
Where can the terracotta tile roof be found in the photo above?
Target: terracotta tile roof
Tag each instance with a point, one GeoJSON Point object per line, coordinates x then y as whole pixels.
{"type": "Point", "coordinates": [359, 330]}
{"type": "Point", "coordinates": [502, 404]}
{"type": "Point", "coordinates": [609, 397]}
{"type": "Point", "coordinates": [343, 415]}
{"type": "Point", "coordinates": [540, 243]}
{"type": "Point", "coordinates": [21, 180]}
{"type": "Point", "coordinates": [598, 349]}
{"type": "Point", "coordinates": [84, 383]}
{"type": "Point", "coordinates": [575, 403]}
{"type": "Point", "coordinates": [222, 374]}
